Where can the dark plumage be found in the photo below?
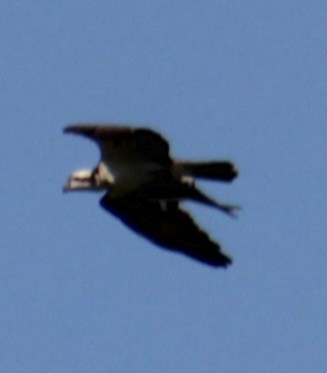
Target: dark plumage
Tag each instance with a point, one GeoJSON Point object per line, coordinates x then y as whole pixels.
{"type": "Point", "coordinates": [145, 186]}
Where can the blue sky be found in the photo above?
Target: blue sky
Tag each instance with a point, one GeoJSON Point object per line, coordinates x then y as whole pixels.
{"type": "Point", "coordinates": [240, 80]}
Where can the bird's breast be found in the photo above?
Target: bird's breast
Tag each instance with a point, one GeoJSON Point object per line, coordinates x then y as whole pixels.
{"type": "Point", "coordinates": [127, 177]}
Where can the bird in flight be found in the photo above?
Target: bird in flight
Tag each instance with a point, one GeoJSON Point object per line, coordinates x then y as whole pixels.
{"type": "Point", "coordinates": [144, 186]}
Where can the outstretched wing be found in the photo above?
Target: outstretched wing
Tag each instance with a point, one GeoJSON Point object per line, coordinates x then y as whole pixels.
{"type": "Point", "coordinates": [119, 143]}
{"type": "Point", "coordinates": [169, 227]}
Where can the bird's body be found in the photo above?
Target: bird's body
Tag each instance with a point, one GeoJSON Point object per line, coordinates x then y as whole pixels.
{"type": "Point", "coordinates": [145, 185]}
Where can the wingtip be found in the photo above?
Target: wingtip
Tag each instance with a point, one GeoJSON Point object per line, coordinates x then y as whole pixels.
{"type": "Point", "coordinates": [80, 129]}
{"type": "Point", "coordinates": [220, 260]}
{"type": "Point", "coordinates": [69, 129]}
{"type": "Point", "coordinates": [227, 261]}
{"type": "Point", "coordinates": [65, 130]}
{"type": "Point", "coordinates": [234, 172]}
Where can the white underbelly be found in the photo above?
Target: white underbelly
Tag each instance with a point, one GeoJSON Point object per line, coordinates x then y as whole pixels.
{"type": "Point", "coordinates": [127, 177]}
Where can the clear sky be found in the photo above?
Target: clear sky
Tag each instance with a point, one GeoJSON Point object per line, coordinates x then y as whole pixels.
{"type": "Point", "coordinates": [242, 80]}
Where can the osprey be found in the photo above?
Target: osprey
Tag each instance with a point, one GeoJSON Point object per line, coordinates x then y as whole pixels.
{"type": "Point", "coordinates": [144, 187]}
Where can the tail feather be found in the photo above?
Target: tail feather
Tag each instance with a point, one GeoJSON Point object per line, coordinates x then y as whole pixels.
{"type": "Point", "coordinates": [220, 170]}
{"type": "Point", "coordinates": [196, 195]}
{"type": "Point", "coordinates": [183, 191]}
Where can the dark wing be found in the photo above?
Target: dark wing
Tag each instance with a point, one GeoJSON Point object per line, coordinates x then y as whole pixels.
{"type": "Point", "coordinates": [171, 228]}
{"type": "Point", "coordinates": [119, 142]}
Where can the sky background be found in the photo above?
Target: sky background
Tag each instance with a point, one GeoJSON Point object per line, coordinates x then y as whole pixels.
{"type": "Point", "coordinates": [242, 80]}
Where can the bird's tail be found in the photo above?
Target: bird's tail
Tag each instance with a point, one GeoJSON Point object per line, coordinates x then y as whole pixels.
{"type": "Point", "coordinates": [215, 170]}
{"type": "Point", "coordinates": [196, 195]}
{"type": "Point", "coordinates": [182, 191]}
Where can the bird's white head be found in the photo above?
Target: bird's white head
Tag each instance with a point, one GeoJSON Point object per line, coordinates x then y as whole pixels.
{"type": "Point", "coordinates": [85, 180]}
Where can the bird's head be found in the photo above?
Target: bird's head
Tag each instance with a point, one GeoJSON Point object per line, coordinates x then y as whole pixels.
{"type": "Point", "coordinates": [85, 180]}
